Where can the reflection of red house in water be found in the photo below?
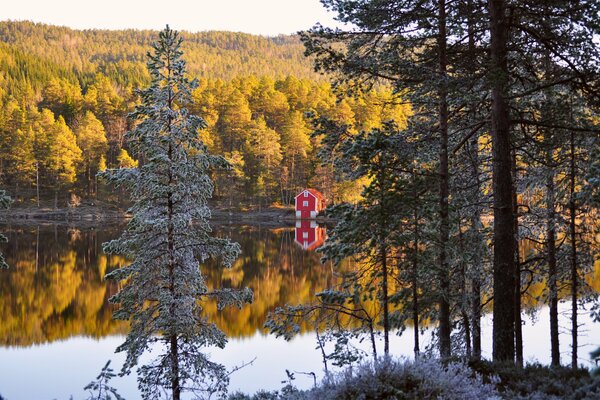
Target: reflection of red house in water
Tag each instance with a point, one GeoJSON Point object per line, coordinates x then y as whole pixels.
{"type": "Point", "coordinates": [309, 235]}
{"type": "Point", "coordinates": [308, 203]}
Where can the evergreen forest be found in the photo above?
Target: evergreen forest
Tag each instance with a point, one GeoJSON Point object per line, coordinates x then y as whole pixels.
{"type": "Point", "coordinates": [65, 96]}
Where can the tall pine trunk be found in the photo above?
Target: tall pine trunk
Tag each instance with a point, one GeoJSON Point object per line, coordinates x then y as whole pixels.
{"type": "Point", "coordinates": [464, 301]}
{"type": "Point", "coordinates": [476, 283]}
{"type": "Point", "coordinates": [476, 223]}
{"type": "Point", "coordinates": [443, 273]}
{"type": "Point", "coordinates": [503, 348]}
{"type": "Point", "coordinates": [517, 292]}
{"type": "Point", "coordinates": [385, 302]}
{"type": "Point", "coordinates": [551, 256]}
{"type": "Point", "coordinates": [415, 271]}
{"type": "Point", "coordinates": [384, 266]}
{"type": "Point", "coordinates": [173, 342]}
{"type": "Point", "coordinates": [552, 272]}
{"type": "Point", "coordinates": [573, 237]}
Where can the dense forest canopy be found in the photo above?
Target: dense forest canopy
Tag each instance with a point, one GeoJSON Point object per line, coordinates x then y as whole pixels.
{"type": "Point", "coordinates": [121, 55]}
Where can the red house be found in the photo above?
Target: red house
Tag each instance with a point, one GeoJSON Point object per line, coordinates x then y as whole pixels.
{"type": "Point", "coordinates": [309, 235]}
{"type": "Point", "coordinates": [308, 204]}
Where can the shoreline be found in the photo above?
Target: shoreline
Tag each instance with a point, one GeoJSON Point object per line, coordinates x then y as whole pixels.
{"type": "Point", "coordinates": [98, 214]}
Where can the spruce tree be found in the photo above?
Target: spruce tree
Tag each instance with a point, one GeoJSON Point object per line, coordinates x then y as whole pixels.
{"type": "Point", "coordinates": [169, 237]}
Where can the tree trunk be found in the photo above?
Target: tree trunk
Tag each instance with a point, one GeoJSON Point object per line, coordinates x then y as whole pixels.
{"type": "Point", "coordinates": [173, 347]}
{"type": "Point", "coordinates": [173, 340]}
{"type": "Point", "coordinates": [517, 292]}
{"type": "Point", "coordinates": [464, 296]}
{"type": "Point", "coordinates": [477, 227]}
{"type": "Point", "coordinates": [384, 301]}
{"type": "Point", "coordinates": [551, 259]}
{"type": "Point", "coordinates": [573, 237]}
{"type": "Point", "coordinates": [415, 274]}
{"type": "Point", "coordinates": [503, 348]}
{"type": "Point", "coordinates": [476, 223]}
{"type": "Point", "coordinates": [443, 273]}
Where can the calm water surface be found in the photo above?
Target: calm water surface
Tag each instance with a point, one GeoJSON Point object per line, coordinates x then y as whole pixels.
{"type": "Point", "coordinates": [56, 329]}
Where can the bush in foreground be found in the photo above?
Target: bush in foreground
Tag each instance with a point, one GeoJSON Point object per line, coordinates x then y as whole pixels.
{"type": "Point", "coordinates": [392, 379]}
{"type": "Point", "coordinates": [428, 379]}
{"type": "Point", "coordinates": [538, 382]}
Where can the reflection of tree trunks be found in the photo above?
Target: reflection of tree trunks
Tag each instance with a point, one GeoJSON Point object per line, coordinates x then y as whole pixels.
{"type": "Point", "coordinates": [573, 234]}
{"type": "Point", "coordinates": [37, 183]}
{"type": "Point", "coordinates": [502, 185]}
{"type": "Point", "coordinates": [443, 273]}
{"type": "Point", "coordinates": [37, 249]}
{"type": "Point", "coordinates": [517, 292]}
{"type": "Point", "coordinates": [89, 180]}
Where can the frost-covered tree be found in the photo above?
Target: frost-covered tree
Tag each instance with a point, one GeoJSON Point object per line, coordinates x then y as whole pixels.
{"type": "Point", "coordinates": [169, 237]}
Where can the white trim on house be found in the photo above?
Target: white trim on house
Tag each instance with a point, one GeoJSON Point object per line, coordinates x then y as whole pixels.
{"type": "Point", "coordinates": [305, 193]}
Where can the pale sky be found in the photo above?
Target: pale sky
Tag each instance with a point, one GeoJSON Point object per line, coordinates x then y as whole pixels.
{"type": "Point", "coordinates": [265, 17]}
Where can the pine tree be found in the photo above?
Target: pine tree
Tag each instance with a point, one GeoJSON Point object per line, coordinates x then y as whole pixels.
{"type": "Point", "coordinates": [374, 233]}
{"type": "Point", "coordinates": [91, 138]}
{"type": "Point", "coordinates": [169, 237]}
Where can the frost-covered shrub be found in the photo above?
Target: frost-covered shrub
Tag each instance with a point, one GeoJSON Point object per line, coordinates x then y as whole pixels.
{"type": "Point", "coordinates": [401, 379]}
{"type": "Point", "coordinates": [260, 395]}
{"type": "Point", "coordinates": [428, 379]}
{"type": "Point", "coordinates": [538, 382]}
{"type": "Point", "coordinates": [393, 379]}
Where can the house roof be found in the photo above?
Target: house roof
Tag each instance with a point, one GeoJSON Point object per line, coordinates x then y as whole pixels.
{"type": "Point", "coordinates": [314, 192]}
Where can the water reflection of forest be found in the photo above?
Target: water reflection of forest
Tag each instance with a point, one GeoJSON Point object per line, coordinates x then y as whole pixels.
{"type": "Point", "coordinates": [55, 287]}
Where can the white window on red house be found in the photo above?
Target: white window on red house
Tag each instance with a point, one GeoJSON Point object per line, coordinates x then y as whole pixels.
{"type": "Point", "coordinates": [304, 235]}
{"type": "Point", "coordinates": [305, 193]}
{"type": "Point", "coordinates": [305, 203]}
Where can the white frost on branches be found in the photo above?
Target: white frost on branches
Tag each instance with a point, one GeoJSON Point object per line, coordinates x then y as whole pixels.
{"type": "Point", "coordinates": [169, 236]}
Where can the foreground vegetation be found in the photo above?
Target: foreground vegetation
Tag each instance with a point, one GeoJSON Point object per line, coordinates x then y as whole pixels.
{"type": "Point", "coordinates": [428, 380]}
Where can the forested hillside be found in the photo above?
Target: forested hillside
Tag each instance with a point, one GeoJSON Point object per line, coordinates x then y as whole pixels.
{"type": "Point", "coordinates": [121, 55]}
{"type": "Point", "coordinates": [65, 95]}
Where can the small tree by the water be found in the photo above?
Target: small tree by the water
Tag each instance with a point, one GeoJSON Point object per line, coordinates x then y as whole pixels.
{"type": "Point", "coordinates": [169, 237]}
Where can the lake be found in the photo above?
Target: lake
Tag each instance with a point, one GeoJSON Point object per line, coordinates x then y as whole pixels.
{"type": "Point", "coordinates": [56, 329]}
